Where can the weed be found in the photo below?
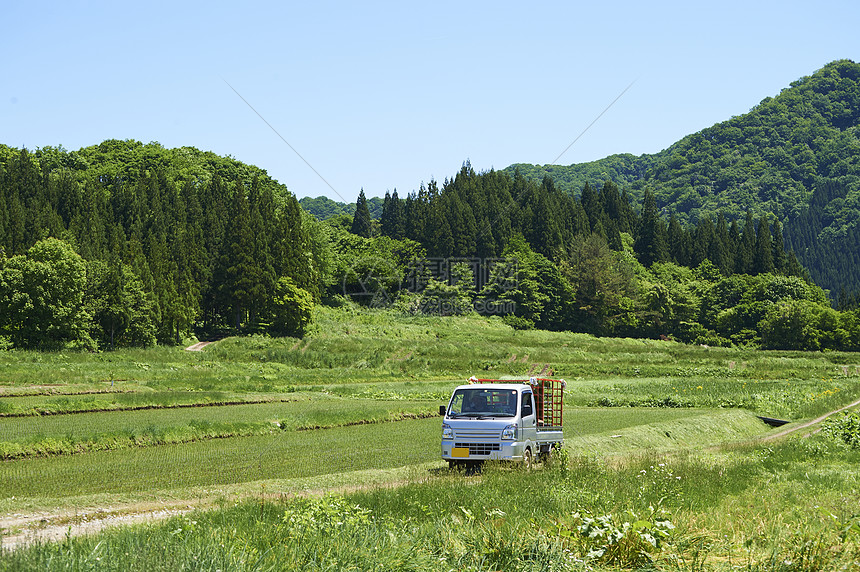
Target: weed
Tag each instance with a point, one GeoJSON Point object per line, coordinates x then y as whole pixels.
{"type": "Point", "coordinates": [327, 515]}
{"type": "Point", "coordinates": [630, 540]}
{"type": "Point", "coordinates": [844, 428]}
{"type": "Point", "coordinates": [658, 483]}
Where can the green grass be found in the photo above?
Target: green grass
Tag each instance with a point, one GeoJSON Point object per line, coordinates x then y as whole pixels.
{"type": "Point", "coordinates": [52, 404]}
{"type": "Point", "coordinates": [789, 399]}
{"type": "Point", "coordinates": [639, 414]}
{"type": "Point", "coordinates": [670, 433]}
{"type": "Point", "coordinates": [349, 345]}
{"type": "Point", "coordinates": [792, 507]}
{"type": "Point", "coordinates": [225, 461]}
{"type": "Point", "coordinates": [297, 411]}
{"type": "Point", "coordinates": [76, 433]}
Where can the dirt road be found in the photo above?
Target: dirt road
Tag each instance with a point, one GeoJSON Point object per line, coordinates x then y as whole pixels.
{"type": "Point", "coordinates": [808, 424]}
{"type": "Point", "coordinates": [23, 529]}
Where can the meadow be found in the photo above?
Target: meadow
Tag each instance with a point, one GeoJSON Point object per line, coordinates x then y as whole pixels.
{"type": "Point", "coordinates": [323, 454]}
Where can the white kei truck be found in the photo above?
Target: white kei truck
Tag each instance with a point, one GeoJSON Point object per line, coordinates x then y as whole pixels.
{"type": "Point", "coordinates": [506, 420]}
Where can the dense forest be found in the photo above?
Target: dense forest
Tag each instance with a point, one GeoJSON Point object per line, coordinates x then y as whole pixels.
{"type": "Point", "coordinates": [795, 156]}
{"type": "Point", "coordinates": [124, 244]}
{"type": "Point", "coordinates": [542, 258]}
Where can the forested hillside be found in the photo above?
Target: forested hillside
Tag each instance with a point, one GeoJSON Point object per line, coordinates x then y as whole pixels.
{"type": "Point", "coordinates": [147, 243]}
{"type": "Point", "coordinates": [795, 156]}
{"type": "Point", "coordinates": [124, 244]}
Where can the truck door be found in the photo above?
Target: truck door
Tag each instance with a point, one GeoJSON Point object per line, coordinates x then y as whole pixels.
{"type": "Point", "coordinates": [528, 418]}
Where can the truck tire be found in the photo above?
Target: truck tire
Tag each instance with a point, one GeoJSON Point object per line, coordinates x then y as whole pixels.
{"type": "Point", "coordinates": [527, 459]}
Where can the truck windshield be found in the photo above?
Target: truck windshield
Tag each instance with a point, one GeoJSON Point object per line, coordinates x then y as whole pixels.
{"type": "Point", "coordinates": [484, 402]}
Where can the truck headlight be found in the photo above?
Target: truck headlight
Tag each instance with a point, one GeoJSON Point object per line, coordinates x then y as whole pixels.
{"type": "Point", "coordinates": [509, 432]}
{"type": "Point", "coordinates": [447, 432]}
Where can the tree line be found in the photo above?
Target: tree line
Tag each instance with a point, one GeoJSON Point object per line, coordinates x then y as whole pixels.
{"type": "Point", "coordinates": [595, 264]}
{"type": "Point", "coordinates": [125, 244]}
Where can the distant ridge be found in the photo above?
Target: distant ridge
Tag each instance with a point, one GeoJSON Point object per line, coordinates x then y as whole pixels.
{"type": "Point", "coordinates": [795, 156]}
{"type": "Point", "coordinates": [323, 207]}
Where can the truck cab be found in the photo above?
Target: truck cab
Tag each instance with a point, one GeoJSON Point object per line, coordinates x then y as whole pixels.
{"type": "Point", "coordinates": [502, 420]}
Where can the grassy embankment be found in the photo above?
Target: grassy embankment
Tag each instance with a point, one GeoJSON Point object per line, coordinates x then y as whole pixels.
{"type": "Point", "coordinates": [647, 402]}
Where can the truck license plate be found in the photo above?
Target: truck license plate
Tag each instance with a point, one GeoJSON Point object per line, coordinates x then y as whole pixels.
{"type": "Point", "coordinates": [460, 452]}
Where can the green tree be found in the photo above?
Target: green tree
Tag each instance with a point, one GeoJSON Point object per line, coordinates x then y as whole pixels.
{"type": "Point", "coordinates": [678, 241]}
{"type": "Point", "coordinates": [726, 293]}
{"type": "Point", "coordinates": [745, 259]}
{"type": "Point", "coordinates": [122, 312]}
{"type": "Point", "coordinates": [452, 297]}
{"type": "Point", "coordinates": [393, 219]}
{"type": "Point", "coordinates": [239, 269]}
{"type": "Point", "coordinates": [778, 256]}
{"type": "Point", "coordinates": [361, 224]}
{"type": "Point", "coordinates": [650, 240]}
{"type": "Point", "coordinates": [603, 284]}
{"type": "Point", "coordinates": [529, 286]}
{"type": "Point", "coordinates": [763, 258]}
{"type": "Point", "coordinates": [292, 309]}
{"type": "Point", "coordinates": [591, 204]}
{"type": "Point", "coordinates": [793, 325]}
{"type": "Point", "coordinates": [42, 297]}
{"type": "Point", "coordinates": [371, 270]}
{"type": "Point", "coordinates": [671, 300]}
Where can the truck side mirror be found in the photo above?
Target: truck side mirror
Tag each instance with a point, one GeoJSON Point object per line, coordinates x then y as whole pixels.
{"type": "Point", "coordinates": [442, 410]}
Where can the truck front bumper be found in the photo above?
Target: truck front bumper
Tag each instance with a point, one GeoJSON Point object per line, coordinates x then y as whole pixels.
{"type": "Point", "coordinates": [498, 451]}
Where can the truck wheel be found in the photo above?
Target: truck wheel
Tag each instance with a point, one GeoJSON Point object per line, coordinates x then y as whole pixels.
{"type": "Point", "coordinates": [527, 459]}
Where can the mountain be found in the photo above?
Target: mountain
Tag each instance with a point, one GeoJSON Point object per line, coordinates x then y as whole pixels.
{"type": "Point", "coordinates": [795, 157]}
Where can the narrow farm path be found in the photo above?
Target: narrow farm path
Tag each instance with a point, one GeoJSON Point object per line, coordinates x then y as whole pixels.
{"type": "Point", "coordinates": [198, 346]}
{"type": "Point", "coordinates": [808, 424]}
{"type": "Point", "coordinates": [23, 529]}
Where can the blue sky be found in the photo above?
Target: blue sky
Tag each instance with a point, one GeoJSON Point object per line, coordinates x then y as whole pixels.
{"type": "Point", "coordinates": [385, 95]}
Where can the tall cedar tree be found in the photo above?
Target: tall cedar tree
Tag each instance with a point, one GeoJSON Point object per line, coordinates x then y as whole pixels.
{"type": "Point", "coordinates": [726, 246]}
{"type": "Point", "coordinates": [779, 258]}
{"type": "Point", "coordinates": [361, 221]}
{"type": "Point", "coordinates": [239, 271]}
{"type": "Point", "coordinates": [763, 258]}
{"type": "Point", "coordinates": [678, 240]}
{"type": "Point", "coordinates": [745, 260]}
{"type": "Point", "coordinates": [650, 242]}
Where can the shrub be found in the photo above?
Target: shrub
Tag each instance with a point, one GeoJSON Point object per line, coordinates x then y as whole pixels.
{"type": "Point", "coordinates": [518, 323]}
{"type": "Point", "coordinates": [845, 428]}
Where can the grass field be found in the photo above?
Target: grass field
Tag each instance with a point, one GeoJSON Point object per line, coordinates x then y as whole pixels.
{"type": "Point", "coordinates": [352, 406]}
